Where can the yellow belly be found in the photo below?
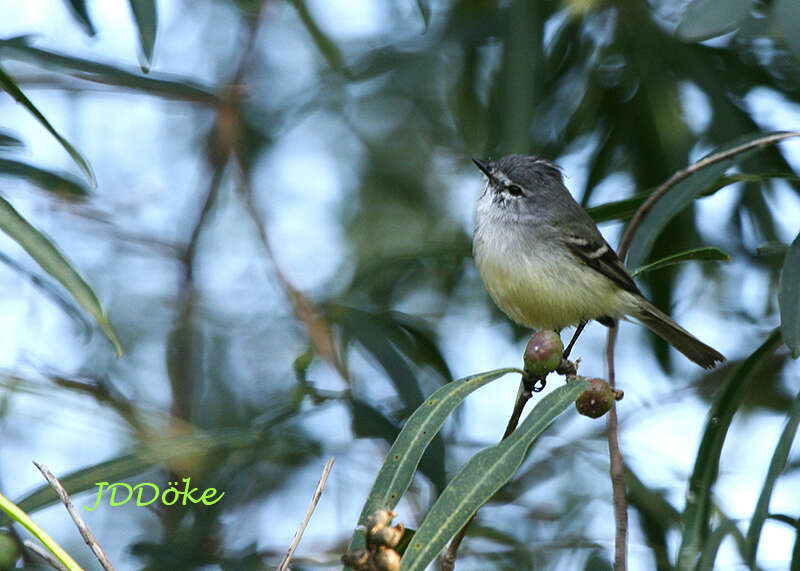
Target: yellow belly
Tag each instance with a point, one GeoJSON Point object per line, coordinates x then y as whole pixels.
{"type": "Point", "coordinates": [546, 291]}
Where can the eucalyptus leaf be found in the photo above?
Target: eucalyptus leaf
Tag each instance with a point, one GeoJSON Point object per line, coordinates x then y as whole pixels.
{"type": "Point", "coordinates": [63, 185]}
{"type": "Point", "coordinates": [425, 11]}
{"type": "Point", "coordinates": [397, 471]}
{"type": "Point", "coordinates": [81, 14]}
{"type": "Point", "coordinates": [146, 18]}
{"type": "Point", "coordinates": [704, 19]}
{"type": "Point", "coordinates": [42, 250]}
{"type": "Point", "coordinates": [684, 192]}
{"type": "Point", "coordinates": [704, 254]}
{"type": "Point", "coordinates": [10, 86]}
{"type": "Point", "coordinates": [7, 140]}
{"type": "Point", "coordinates": [161, 84]}
{"type": "Point", "coordinates": [776, 468]}
{"type": "Point", "coordinates": [787, 14]}
{"type": "Point", "coordinates": [481, 477]}
{"type": "Point", "coordinates": [696, 515]}
{"type": "Point", "coordinates": [789, 298]}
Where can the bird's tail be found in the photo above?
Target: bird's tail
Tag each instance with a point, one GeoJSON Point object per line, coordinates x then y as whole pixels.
{"type": "Point", "coordinates": [662, 325]}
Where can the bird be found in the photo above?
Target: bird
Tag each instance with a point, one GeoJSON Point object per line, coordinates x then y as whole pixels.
{"type": "Point", "coordinates": [546, 265]}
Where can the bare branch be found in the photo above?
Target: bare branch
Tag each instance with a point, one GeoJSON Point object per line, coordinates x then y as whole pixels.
{"type": "Point", "coordinates": [44, 554]}
{"type": "Point", "coordinates": [84, 530]}
{"type": "Point", "coordinates": [284, 565]}
{"type": "Point", "coordinates": [617, 469]}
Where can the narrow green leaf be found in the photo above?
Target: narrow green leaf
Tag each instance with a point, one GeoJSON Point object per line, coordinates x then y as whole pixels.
{"type": "Point", "coordinates": [787, 13]}
{"type": "Point", "coordinates": [795, 566]}
{"type": "Point", "coordinates": [146, 18]}
{"type": "Point", "coordinates": [776, 467]}
{"type": "Point", "coordinates": [61, 184]}
{"type": "Point", "coordinates": [696, 514]}
{"type": "Point", "coordinates": [704, 19]}
{"type": "Point", "coordinates": [626, 208]}
{"type": "Point", "coordinates": [657, 517]}
{"type": "Point", "coordinates": [480, 478]}
{"type": "Point", "coordinates": [8, 140]}
{"type": "Point", "coordinates": [375, 334]}
{"type": "Point", "coordinates": [684, 192]}
{"type": "Point", "coordinates": [709, 555]}
{"type": "Point", "coordinates": [618, 209]}
{"type": "Point", "coordinates": [81, 14]}
{"type": "Point", "coordinates": [789, 298]}
{"type": "Point", "coordinates": [11, 87]}
{"type": "Point", "coordinates": [156, 84]}
{"type": "Point", "coordinates": [161, 451]}
{"type": "Point", "coordinates": [397, 472]}
{"type": "Point", "coordinates": [327, 47]}
{"type": "Point", "coordinates": [14, 513]}
{"type": "Point", "coordinates": [403, 457]}
{"type": "Point", "coordinates": [370, 422]}
{"type": "Point", "coordinates": [53, 262]}
{"type": "Point", "coordinates": [705, 254]}
{"type": "Point", "coordinates": [425, 12]}
{"type": "Point", "coordinates": [772, 248]}
{"type": "Point", "coordinates": [49, 289]}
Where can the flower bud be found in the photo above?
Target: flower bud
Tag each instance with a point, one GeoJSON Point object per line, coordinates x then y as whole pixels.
{"type": "Point", "coordinates": [597, 400]}
{"type": "Point", "coordinates": [543, 353]}
{"type": "Point", "coordinates": [386, 559]}
{"type": "Point", "coordinates": [378, 520]}
{"type": "Point", "coordinates": [389, 536]}
{"type": "Point", "coordinates": [358, 559]}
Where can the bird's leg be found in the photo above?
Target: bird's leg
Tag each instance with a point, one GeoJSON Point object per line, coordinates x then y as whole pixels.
{"type": "Point", "coordinates": [574, 338]}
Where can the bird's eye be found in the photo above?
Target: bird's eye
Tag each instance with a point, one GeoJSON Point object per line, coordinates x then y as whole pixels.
{"type": "Point", "coordinates": [514, 190]}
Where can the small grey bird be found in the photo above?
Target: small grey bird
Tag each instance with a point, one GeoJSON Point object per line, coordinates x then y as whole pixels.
{"type": "Point", "coordinates": [545, 263]}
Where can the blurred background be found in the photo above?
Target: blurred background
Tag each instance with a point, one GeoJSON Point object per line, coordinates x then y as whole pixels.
{"type": "Point", "coordinates": [281, 233]}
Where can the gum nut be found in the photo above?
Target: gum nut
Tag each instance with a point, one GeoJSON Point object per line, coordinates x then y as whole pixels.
{"type": "Point", "coordinates": [595, 401]}
{"type": "Point", "coordinates": [386, 560]}
{"type": "Point", "coordinates": [378, 519]}
{"type": "Point", "coordinates": [543, 353]}
{"type": "Point", "coordinates": [357, 559]}
{"type": "Point", "coordinates": [389, 536]}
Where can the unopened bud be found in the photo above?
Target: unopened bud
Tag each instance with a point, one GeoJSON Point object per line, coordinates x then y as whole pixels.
{"type": "Point", "coordinates": [358, 559]}
{"type": "Point", "coordinates": [543, 353]}
{"type": "Point", "coordinates": [378, 520]}
{"type": "Point", "coordinates": [386, 559]}
{"type": "Point", "coordinates": [389, 536]}
{"type": "Point", "coordinates": [597, 400]}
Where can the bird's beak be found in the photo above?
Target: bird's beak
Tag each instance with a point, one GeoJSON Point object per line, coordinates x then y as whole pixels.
{"type": "Point", "coordinates": [484, 168]}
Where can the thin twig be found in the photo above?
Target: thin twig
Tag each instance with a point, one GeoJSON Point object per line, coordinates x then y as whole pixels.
{"type": "Point", "coordinates": [617, 470]}
{"type": "Point", "coordinates": [44, 554]}
{"type": "Point", "coordinates": [523, 396]}
{"type": "Point", "coordinates": [314, 500]}
{"type": "Point", "coordinates": [84, 530]}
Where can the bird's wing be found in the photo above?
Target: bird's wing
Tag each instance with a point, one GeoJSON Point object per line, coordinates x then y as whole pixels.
{"type": "Point", "coordinates": [598, 255]}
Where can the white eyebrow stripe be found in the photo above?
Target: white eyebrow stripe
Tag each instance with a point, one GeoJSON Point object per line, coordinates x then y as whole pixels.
{"type": "Point", "coordinates": [501, 176]}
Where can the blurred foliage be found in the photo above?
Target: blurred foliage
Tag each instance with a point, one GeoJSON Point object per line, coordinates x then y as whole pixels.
{"type": "Point", "coordinates": [636, 91]}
